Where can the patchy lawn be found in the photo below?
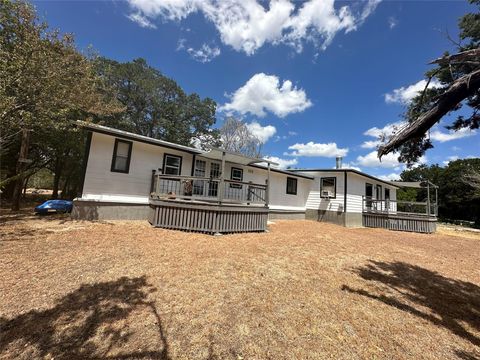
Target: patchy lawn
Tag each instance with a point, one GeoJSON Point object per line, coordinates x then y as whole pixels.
{"type": "Point", "coordinates": [123, 290]}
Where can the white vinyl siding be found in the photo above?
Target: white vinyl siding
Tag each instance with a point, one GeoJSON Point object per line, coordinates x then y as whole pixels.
{"type": "Point", "coordinates": [102, 184]}
{"type": "Point", "coordinates": [316, 202]}
{"type": "Point", "coordinates": [356, 190]}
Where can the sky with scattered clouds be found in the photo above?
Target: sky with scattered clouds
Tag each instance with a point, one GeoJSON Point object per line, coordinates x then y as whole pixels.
{"type": "Point", "coordinates": [313, 79]}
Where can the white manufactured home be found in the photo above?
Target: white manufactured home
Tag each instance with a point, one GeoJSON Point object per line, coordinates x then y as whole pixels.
{"type": "Point", "coordinates": [129, 176]}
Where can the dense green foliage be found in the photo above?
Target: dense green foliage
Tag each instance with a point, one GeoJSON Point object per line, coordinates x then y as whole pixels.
{"type": "Point", "coordinates": [46, 84]}
{"type": "Point", "coordinates": [447, 72]}
{"type": "Point", "coordinates": [457, 199]}
{"type": "Point", "coordinates": [155, 105]}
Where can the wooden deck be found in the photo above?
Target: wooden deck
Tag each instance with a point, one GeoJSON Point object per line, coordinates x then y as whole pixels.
{"type": "Point", "coordinates": [399, 222]}
{"type": "Point", "coordinates": [206, 217]}
{"type": "Point", "coordinates": [400, 215]}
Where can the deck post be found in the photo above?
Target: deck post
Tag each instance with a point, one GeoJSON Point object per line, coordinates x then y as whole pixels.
{"type": "Point", "coordinates": [428, 198]}
{"type": "Point", "coordinates": [267, 192]}
{"type": "Point", "coordinates": [436, 201]}
{"type": "Point", "coordinates": [221, 186]}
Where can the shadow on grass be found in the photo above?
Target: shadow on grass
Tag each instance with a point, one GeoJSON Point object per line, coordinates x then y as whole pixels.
{"type": "Point", "coordinates": [106, 320]}
{"type": "Point", "coordinates": [450, 303]}
{"type": "Point", "coordinates": [467, 356]}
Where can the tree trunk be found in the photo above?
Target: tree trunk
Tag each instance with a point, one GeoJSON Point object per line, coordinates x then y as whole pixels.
{"type": "Point", "coordinates": [22, 160]}
{"type": "Point", "coordinates": [25, 184]}
{"type": "Point", "coordinates": [458, 91]}
{"type": "Point", "coordinates": [56, 178]}
{"type": "Point", "coordinates": [65, 187]}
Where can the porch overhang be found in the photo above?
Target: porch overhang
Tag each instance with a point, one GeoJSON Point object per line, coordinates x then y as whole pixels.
{"type": "Point", "coordinates": [415, 184]}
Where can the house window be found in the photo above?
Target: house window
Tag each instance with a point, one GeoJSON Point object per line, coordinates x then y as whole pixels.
{"type": "Point", "coordinates": [378, 194]}
{"type": "Point", "coordinates": [328, 187]}
{"type": "Point", "coordinates": [172, 164]}
{"type": "Point", "coordinates": [237, 175]}
{"type": "Point", "coordinates": [291, 186]}
{"type": "Point", "coordinates": [122, 153]}
{"type": "Point", "coordinates": [387, 194]}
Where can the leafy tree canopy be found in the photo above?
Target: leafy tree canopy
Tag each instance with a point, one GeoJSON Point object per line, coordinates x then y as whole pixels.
{"type": "Point", "coordinates": [156, 105]}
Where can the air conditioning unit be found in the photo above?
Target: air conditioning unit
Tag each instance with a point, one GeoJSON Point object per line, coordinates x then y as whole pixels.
{"type": "Point", "coordinates": [327, 194]}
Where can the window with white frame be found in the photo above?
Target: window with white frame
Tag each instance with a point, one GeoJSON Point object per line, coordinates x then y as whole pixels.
{"type": "Point", "coordinates": [328, 187]}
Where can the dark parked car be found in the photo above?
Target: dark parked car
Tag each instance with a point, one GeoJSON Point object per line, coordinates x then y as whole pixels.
{"type": "Point", "coordinates": [54, 206]}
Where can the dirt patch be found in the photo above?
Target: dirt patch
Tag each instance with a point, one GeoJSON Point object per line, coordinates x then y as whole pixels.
{"type": "Point", "coordinates": [125, 290]}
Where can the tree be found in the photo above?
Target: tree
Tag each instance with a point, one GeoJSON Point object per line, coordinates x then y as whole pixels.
{"type": "Point", "coordinates": [473, 179]}
{"type": "Point", "coordinates": [457, 198]}
{"type": "Point", "coordinates": [459, 76]}
{"type": "Point", "coordinates": [236, 137]}
{"type": "Point", "coordinates": [156, 106]}
{"type": "Point", "coordinates": [44, 84]}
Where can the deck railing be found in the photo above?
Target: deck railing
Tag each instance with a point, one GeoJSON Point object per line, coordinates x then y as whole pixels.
{"type": "Point", "coordinates": [397, 207]}
{"type": "Point", "coordinates": [208, 189]}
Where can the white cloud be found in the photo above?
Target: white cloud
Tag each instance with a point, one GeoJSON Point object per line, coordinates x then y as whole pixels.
{"type": "Point", "coordinates": [389, 161]}
{"type": "Point", "coordinates": [405, 94]}
{"type": "Point", "coordinates": [141, 20]}
{"type": "Point", "coordinates": [371, 144]}
{"type": "Point", "coordinates": [262, 133]}
{"type": "Point", "coordinates": [204, 54]}
{"type": "Point", "coordinates": [265, 93]}
{"type": "Point", "coordinates": [390, 177]}
{"type": "Point", "coordinates": [450, 158]}
{"type": "Point", "coordinates": [437, 135]}
{"type": "Point", "coordinates": [392, 22]}
{"type": "Point", "coordinates": [246, 25]}
{"type": "Point", "coordinates": [350, 166]}
{"type": "Point", "coordinates": [282, 163]}
{"type": "Point", "coordinates": [381, 133]}
{"type": "Point", "coordinates": [312, 149]}
{"type": "Point", "coordinates": [371, 160]}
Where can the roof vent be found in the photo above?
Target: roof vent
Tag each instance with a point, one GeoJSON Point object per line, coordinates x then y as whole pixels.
{"type": "Point", "coordinates": [338, 162]}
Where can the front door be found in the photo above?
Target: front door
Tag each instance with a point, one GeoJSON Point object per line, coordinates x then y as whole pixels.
{"type": "Point", "coordinates": [368, 195]}
{"type": "Point", "coordinates": [214, 174]}
{"type": "Point", "coordinates": [199, 171]}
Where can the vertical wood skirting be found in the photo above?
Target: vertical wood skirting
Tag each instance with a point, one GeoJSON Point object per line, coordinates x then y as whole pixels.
{"type": "Point", "coordinates": [208, 218]}
{"type": "Point", "coordinates": [396, 222]}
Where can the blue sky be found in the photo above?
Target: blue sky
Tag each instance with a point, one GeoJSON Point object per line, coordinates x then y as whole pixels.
{"type": "Point", "coordinates": [314, 79]}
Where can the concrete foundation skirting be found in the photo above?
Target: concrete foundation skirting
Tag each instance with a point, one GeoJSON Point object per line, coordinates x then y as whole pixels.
{"type": "Point", "coordinates": [335, 217]}
{"type": "Point", "coordinates": [353, 220]}
{"type": "Point", "coordinates": [286, 215]}
{"type": "Point", "coordinates": [99, 210]}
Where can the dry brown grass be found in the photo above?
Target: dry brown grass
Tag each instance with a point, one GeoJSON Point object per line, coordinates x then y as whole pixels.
{"type": "Point", "coordinates": [306, 290]}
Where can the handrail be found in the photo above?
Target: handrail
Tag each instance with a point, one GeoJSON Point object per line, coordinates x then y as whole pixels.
{"type": "Point", "coordinates": [184, 177]}
{"type": "Point", "coordinates": [208, 189]}
{"type": "Point", "coordinates": [387, 206]}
